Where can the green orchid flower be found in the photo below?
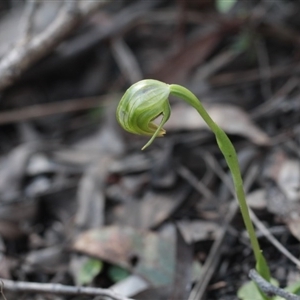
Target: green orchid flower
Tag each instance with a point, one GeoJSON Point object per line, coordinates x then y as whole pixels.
{"type": "Point", "coordinates": [142, 103]}
{"type": "Point", "coordinates": [147, 99]}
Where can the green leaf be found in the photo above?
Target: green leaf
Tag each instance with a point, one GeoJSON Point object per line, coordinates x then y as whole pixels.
{"type": "Point", "coordinates": [262, 268]}
{"type": "Point", "coordinates": [117, 273]}
{"type": "Point", "coordinates": [90, 269]}
{"type": "Point", "coordinates": [249, 291]}
{"type": "Point", "coordinates": [224, 6]}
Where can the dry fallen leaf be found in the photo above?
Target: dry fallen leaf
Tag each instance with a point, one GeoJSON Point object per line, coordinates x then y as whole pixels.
{"type": "Point", "coordinates": [283, 192]}
{"type": "Point", "coordinates": [195, 231]}
{"type": "Point", "coordinates": [257, 199]}
{"type": "Point", "coordinates": [90, 198]}
{"type": "Point", "coordinates": [12, 170]}
{"type": "Point", "coordinates": [289, 179]}
{"type": "Point", "coordinates": [130, 286]}
{"type": "Point", "coordinates": [294, 227]}
{"type": "Point", "coordinates": [286, 173]}
{"type": "Point", "coordinates": [145, 253]}
{"type": "Point", "coordinates": [152, 209]}
{"type": "Point", "coordinates": [230, 118]}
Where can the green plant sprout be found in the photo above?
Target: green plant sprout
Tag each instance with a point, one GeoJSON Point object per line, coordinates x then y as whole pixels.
{"type": "Point", "coordinates": [147, 99]}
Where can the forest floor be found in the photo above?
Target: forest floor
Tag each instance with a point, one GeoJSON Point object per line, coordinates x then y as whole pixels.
{"type": "Point", "coordinates": [82, 205]}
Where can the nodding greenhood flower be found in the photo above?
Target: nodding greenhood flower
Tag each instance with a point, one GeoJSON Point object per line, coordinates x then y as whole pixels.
{"type": "Point", "coordinates": [142, 103]}
{"type": "Point", "coordinates": [146, 100]}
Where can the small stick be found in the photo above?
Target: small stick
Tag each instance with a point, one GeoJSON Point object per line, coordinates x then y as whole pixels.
{"type": "Point", "coordinates": [21, 57]}
{"type": "Point", "coordinates": [57, 289]}
{"type": "Point", "coordinates": [268, 235]}
{"type": "Point", "coordinates": [215, 252]}
{"type": "Point", "coordinates": [126, 60]}
{"type": "Point", "coordinates": [43, 110]}
{"type": "Point", "coordinates": [198, 185]}
{"type": "Point", "coordinates": [270, 289]}
{"type": "Point", "coordinates": [1, 290]}
{"type": "Point", "coordinates": [264, 68]}
{"type": "Point", "coordinates": [30, 9]}
{"type": "Point", "coordinates": [258, 224]}
{"type": "Point", "coordinates": [72, 6]}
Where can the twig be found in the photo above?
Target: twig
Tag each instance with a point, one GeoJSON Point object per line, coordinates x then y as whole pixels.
{"type": "Point", "coordinates": [263, 229]}
{"type": "Point", "coordinates": [214, 256]}
{"type": "Point", "coordinates": [253, 75]}
{"type": "Point", "coordinates": [122, 21]}
{"type": "Point", "coordinates": [264, 68]}
{"type": "Point", "coordinates": [268, 235]}
{"type": "Point", "coordinates": [43, 110]}
{"type": "Point", "coordinates": [30, 9]}
{"type": "Point", "coordinates": [58, 289]}
{"type": "Point", "coordinates": [1, 290]}
{"type": "Point", "coordinates": [182, 277]}
{"type": "Point", "coordinates": [195, 183]}
{"type": "Point", "coordinates": [216, 63]}
{"type": "Point", "coordinates": [19, 59]}
{"type": "Point", "coordinates": [270, 289]}
{"type": "Point", "coordinates": [126, 60]}
{"type": "Point", "coordinates": [72, 5]}
{"type": "Point", "coordinates": [273, 103]}
{"type": "Point", "coordinates": [215, 252]}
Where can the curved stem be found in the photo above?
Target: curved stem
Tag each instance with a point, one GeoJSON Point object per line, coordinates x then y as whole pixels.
{"type": "Point", "coordinates": [230, 156]}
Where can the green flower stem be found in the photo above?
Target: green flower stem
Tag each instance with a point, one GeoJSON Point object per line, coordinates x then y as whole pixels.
{"type": "Point", "coordinates": [230, 156]}
{"type": "Point", "coordinates": [147, 99]}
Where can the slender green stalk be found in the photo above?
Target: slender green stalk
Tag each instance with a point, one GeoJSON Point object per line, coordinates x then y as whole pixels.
{"type": "Point", "coordinates": [230, 156]}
